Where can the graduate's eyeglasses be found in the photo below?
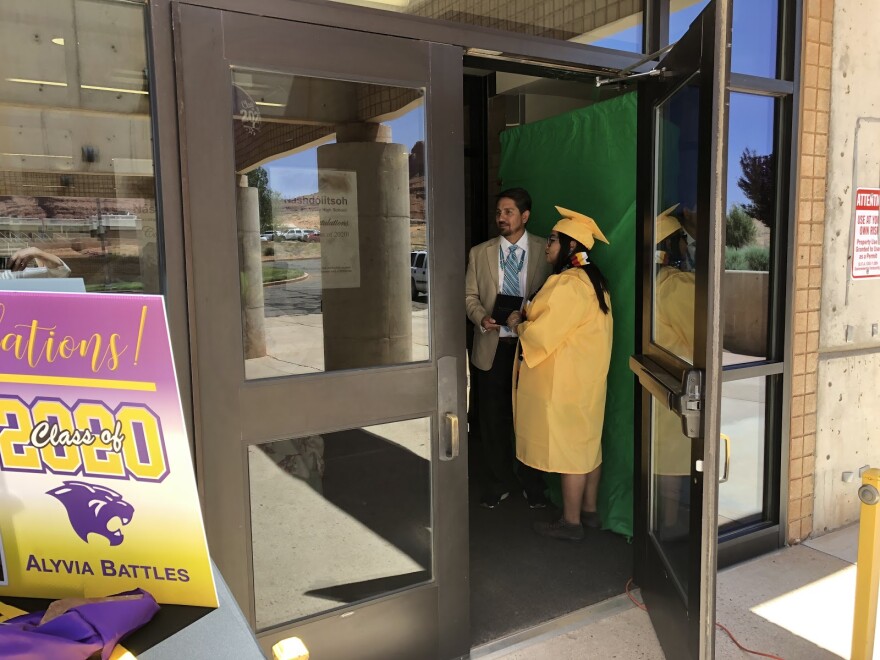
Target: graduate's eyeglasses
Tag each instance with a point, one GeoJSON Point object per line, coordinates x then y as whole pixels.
{"type": "Point", "coordinates": [552, 239]}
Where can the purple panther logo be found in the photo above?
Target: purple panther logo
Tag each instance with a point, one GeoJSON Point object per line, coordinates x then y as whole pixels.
{"type": "Point", "coordinates": [91, 509]}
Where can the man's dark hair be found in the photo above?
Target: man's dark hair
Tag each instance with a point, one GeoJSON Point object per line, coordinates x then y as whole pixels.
{"type": "Point", "coordinates": [520, 197]}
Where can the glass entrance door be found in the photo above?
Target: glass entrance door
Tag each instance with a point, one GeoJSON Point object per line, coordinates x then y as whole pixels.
{"type": "Point", "coordinates": [682, 124]}
{"type": "Point", "coordinates": [319, 166]}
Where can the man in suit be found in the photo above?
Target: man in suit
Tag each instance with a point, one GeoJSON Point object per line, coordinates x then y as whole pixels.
{"type": "Point", "coordinates": [514, 264]}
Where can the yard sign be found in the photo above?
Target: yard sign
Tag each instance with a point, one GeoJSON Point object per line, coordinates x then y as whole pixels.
{"type": "Point", "coordinates": [97, 493]}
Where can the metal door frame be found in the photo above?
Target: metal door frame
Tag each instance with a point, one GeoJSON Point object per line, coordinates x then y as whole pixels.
{"type": "Point", "coordinates": [435, 614]}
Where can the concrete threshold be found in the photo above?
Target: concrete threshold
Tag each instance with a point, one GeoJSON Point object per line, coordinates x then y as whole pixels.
{"type": "Point", "coordinates": [518, 641]}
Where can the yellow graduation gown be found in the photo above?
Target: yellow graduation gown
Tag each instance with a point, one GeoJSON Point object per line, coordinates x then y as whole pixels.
{"type": "Point", "coordinates": [560, 384]}
{"type": "Point", "coordinates": [674, 311]}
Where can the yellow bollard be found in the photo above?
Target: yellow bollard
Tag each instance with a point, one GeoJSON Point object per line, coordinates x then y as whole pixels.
{"type": "Point", "coordinates": [868, 568]}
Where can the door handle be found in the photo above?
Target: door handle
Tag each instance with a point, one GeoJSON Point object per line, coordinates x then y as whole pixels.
{"type": "Point", "coordinates": [449, 431]}
{"type": "Point", "coordinates": [684, 398]}
{"type": "Point", "coordinates": [725, 475]}
{"type": "Point", "coordinates": [454, 436]}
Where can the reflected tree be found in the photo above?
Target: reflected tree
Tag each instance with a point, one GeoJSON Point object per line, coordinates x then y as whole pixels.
{"type": "Point", "coordinates": [758, 183]}
{"type": "Point", "coordinates": [739, 231]}
{"type": "Point", "coordinates": [259, 179]}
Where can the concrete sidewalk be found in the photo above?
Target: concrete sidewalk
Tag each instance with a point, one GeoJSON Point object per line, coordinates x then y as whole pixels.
{"type": "Point", "coordinates": [796, 603]}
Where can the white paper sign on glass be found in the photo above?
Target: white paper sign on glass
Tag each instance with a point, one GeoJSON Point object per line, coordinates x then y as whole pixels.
{"type": "Point", "coordinates": [340, 243]}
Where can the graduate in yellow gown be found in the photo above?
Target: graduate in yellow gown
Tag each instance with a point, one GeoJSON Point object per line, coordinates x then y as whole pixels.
{"type": "Point", "coordinates": [674, 297]}
{"type": "Point", "coordinates": [561, 379]}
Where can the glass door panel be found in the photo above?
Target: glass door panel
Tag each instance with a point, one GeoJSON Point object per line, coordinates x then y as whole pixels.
{"type": "Point", "coordinates": [741, 490]}
{"type": "Point", "coordinates": [671, 494]}
{"type": "Point", "coordinates": [682, 121]}
{"type": "Point", "coordinates": [330, 204]}
{"type": "Point", "coordinates": [347, 513]}
{"type": "Point", "coordinates": [675, 208]}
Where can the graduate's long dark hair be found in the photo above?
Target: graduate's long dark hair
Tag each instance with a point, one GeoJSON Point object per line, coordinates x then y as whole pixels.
{"type": "Point", "coordinates": [563, 262]}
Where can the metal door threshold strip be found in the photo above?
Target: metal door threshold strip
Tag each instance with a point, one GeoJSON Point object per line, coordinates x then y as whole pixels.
{"type": "Point", "coordinates": [553, 628]}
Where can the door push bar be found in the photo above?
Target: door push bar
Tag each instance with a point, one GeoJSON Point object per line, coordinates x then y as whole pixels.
{"type": "Point", "coordinates": [684, 398]}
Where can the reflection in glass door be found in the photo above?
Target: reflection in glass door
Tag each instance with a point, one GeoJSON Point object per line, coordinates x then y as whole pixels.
{"type": "Point", "coordinates": [673, 317]}
{"type": "Point", "coordinates": [330, 208]}
{"type": "Point", "coordinates": [682, 123]}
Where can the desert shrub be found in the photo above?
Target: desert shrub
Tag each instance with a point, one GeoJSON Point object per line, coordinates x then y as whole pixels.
{"type": "Point", "coordinates": [734, 260]}
{"type": "Point", "coordinates": [753, 257]}
{"type": "Point", "coordinates": [739, 231]}
{"type": "Point", "coordinates": [268, 250]}
{"type": "Point", "coordinates": [757, 258]}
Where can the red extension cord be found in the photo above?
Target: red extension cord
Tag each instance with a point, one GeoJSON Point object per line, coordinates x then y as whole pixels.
{"type": "Point", "coordinates": [642, 607]}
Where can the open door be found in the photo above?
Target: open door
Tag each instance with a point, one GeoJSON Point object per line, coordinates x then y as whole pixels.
{"type": "Point", "coordinates": [681, 189]}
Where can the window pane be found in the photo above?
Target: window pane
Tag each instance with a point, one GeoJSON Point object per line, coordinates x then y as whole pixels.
{"type": "Point", "coordinates": [77, 193]}
{"type": "Point", "coordinates": [681, 14]}
{"type": "Point", "coordinates": [754, 33]}
{"type": "Point", "coordinates": [609, 23]}
{"type": "Point", "coordinates": [331, 207]}
{"type": "Point", "coordinates": [743, 410]}
{"type": "Point", "coordinates": [339, 518]}
{"type": "Point", "coordinates": [755, 29]}
{"type": "Point", "coordinates": [677, 127]}
{"type": "Point", "coordinates": [751, 214]}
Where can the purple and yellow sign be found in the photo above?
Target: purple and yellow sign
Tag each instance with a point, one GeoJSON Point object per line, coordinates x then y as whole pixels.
{"type": "Point", "coordinates": [97, 493]}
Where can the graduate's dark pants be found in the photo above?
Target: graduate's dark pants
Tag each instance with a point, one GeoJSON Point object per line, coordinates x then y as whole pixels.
{"type": "Point", "coordinates": [503, 472]}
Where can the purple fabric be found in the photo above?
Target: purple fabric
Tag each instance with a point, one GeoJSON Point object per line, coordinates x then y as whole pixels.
{"type": "Point", "coordinates": [79, 632]}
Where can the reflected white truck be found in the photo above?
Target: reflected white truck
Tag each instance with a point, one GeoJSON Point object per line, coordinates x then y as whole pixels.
{"type": "Point", "coordinates": [419, 273]}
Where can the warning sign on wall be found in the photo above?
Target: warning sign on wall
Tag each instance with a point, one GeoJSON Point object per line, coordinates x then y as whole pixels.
{"type": "Point", "coordinates": [866, 239]}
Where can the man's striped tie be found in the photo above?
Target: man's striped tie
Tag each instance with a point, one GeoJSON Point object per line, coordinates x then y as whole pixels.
{"type": "Point", "coordinates": [512, 267]}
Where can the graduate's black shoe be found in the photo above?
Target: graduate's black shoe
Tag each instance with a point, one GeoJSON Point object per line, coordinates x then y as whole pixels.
{"type": "Point", "coordinates": [559, 529]}
{"type": "Point", "coordinates": [536, 500]}
{"type": "Point", "coordinates": [591, 519]}
{"type": "Point", "coordinates": [491, 500]}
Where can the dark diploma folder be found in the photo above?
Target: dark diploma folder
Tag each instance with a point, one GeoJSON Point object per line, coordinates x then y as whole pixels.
{"type": "Point", "coordinates": [504, 306]}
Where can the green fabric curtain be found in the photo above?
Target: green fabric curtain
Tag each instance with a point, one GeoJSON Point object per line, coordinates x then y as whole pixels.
{"type": "Point", "coordinates": [585, 161]}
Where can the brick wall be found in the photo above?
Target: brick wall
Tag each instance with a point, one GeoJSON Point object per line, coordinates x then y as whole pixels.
{"type": "Point", "coordinates": [810, 228]}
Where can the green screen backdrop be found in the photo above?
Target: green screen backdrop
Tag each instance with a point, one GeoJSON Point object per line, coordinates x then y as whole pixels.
{"type": "Point", "coordinates": [585, 161]}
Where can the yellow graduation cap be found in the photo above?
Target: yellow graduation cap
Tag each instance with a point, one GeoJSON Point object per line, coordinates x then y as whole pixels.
{"type": "Point", "coordinates": [667, 224]}
{"type": "Point", "coordinates": [580, 227]}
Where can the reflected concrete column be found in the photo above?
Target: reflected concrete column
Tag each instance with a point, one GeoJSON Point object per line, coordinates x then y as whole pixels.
{"type": "Point", "coordinates": [371, 324]}
{"type": "Point", "coordinates": [253, 314]}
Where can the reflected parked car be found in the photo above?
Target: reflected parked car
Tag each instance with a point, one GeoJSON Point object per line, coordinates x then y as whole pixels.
{"type": "Point", "coordinates": [293, 234]}
{"type": "Point", "coordinates": [419, 273]}
{"type": "Point", "coordinates": [314, 236]}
